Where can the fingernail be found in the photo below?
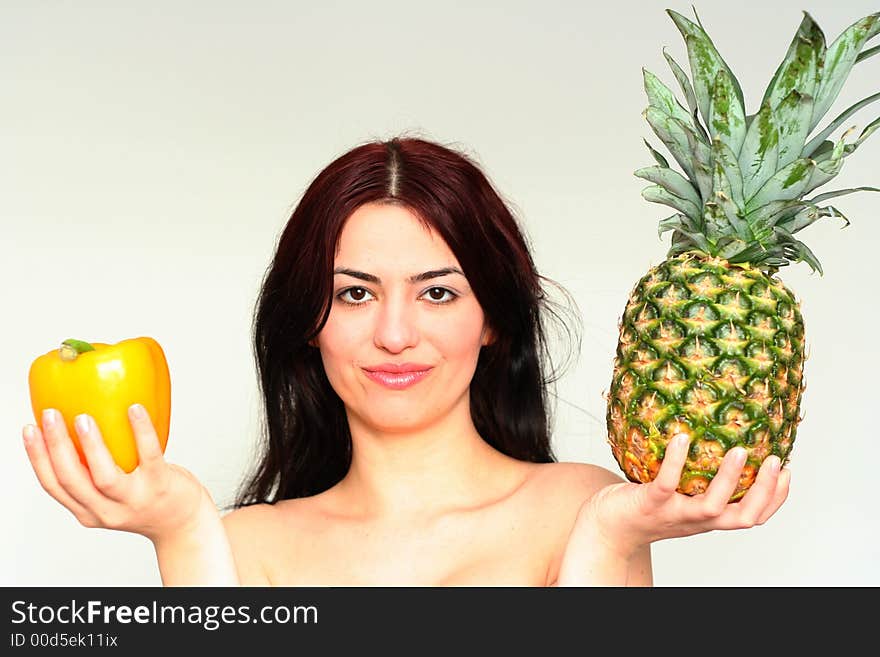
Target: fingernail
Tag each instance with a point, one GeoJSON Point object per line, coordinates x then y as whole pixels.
{"type": "Point", "coordinates": [682, 439]}
{"type": "Point", "coordinates": [775, 463]}
{"type": "Point", "coordinates": [28, 434]}
{"type": "Point", "coordinates": [740, 454]}
{"type": "Point", "coordinates": [137, 411]}
{"type": "Point", "coordinates": [49, 417]}
{"type": "Point", "coordinates": [82, 423]}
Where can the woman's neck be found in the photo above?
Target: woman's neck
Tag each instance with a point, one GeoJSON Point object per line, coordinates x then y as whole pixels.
{"type": "Point", "coordinates": [425, 471]}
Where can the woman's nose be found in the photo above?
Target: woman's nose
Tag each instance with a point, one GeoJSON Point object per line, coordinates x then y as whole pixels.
{"type": "Point", "coordinates": [396, 327]}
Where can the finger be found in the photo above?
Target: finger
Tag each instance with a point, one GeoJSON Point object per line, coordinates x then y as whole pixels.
{"type": "Point", "coordinates": [669, 475]}
{"type": "Point", "coordinates": [150, 456]}
{"type": "Point", "coordinates": [35, 446]}
{"type": "Point", "coordinates": [106, 475]}
{"type": "Point", "coordinates": [779, 495]}
{"type": "Point", "coordinates": [71, 474]}
{"type": "Point", "coordinates": [761, 492]}
{"type": "Point", "coordinates": [724, 482]}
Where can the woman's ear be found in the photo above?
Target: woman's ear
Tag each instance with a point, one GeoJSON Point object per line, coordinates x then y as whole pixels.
{"type": "Point", "coordinates": [488, 336]}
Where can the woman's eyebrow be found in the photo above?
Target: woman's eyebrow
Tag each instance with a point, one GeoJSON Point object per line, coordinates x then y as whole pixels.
{"type": "Point", "coordinates": [415, 278]}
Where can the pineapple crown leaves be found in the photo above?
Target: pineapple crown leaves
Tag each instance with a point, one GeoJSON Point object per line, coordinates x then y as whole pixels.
{"type": "Point", "coordinates": [742, 193]}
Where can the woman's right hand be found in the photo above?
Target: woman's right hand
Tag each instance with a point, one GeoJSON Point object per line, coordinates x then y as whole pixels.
{"type": "Point", "coordinates": [157, 499]}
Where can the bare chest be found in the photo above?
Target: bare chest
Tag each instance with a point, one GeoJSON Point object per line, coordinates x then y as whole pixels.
{"type": "Point", "coordinates": [491, 549]}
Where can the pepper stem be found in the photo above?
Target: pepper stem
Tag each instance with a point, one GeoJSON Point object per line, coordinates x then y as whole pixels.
{"type": "Point", "coordinates": [70, 349]}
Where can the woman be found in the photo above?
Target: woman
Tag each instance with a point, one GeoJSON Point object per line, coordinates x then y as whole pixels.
{"type": "Point", "coordinates": [400, 343]}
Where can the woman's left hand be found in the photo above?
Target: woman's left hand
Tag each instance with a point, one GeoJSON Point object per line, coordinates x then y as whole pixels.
{"type": "Point", "coordinates": [622, 518]}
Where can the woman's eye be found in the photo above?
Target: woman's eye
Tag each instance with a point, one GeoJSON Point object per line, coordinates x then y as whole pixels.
{"type": "Point", "coordinates": [435, 294]}
{"type": "Point", "coordinates": [356, 296]}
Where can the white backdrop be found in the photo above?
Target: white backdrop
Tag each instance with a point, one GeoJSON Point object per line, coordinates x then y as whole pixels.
{"type": "Point", "coordinates": [151, 153]}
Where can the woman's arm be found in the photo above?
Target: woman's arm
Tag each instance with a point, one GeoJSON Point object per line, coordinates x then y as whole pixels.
{"type": "Point", "coordinates": [249, 529]}
{"type": "Point", "coordinates": [198, 555]}
{"type": "Point", "coordinates": [589, 560]}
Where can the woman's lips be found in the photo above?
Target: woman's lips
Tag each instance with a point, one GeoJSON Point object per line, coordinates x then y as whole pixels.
{"type": "Point", "coordinates": [397, 381]}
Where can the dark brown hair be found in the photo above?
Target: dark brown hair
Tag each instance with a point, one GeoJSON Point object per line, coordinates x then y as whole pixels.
{"type": "Point", "coordinates": [306, 443]}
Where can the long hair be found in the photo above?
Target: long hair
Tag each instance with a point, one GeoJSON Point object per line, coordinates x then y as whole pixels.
{"type": "Point", "coordinates": [305, 439]}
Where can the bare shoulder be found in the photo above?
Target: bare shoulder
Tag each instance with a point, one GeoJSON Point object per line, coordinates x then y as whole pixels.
{"type": "Point", "coordinates": [249, 531]}
{"type": "Point", "coordinates": [569, 479]}
{"type": "Point", "coordinates": [246, 518]}
{"type": "Point", "coordinates": [555, 494]}
{"type": "Point", "coordinates": [269, 539]}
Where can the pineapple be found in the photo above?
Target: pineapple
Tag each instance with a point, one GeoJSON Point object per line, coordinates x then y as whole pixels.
{"type": "Point", "coordinates": [711, 341]}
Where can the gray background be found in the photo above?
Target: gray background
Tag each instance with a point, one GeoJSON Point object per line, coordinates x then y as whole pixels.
{"type": "Point", "coordinates": [151, 152]}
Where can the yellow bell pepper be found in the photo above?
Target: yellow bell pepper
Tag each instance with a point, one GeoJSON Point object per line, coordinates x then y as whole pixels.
{"type": "Point", "coordinates": [103, 380]}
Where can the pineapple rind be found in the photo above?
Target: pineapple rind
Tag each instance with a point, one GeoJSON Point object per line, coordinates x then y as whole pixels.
{"type": "Point", "coordinates": [714, 349]}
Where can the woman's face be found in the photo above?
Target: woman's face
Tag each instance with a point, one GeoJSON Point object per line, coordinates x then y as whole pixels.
{"type": "Point", "coordinates": [399, 299]}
